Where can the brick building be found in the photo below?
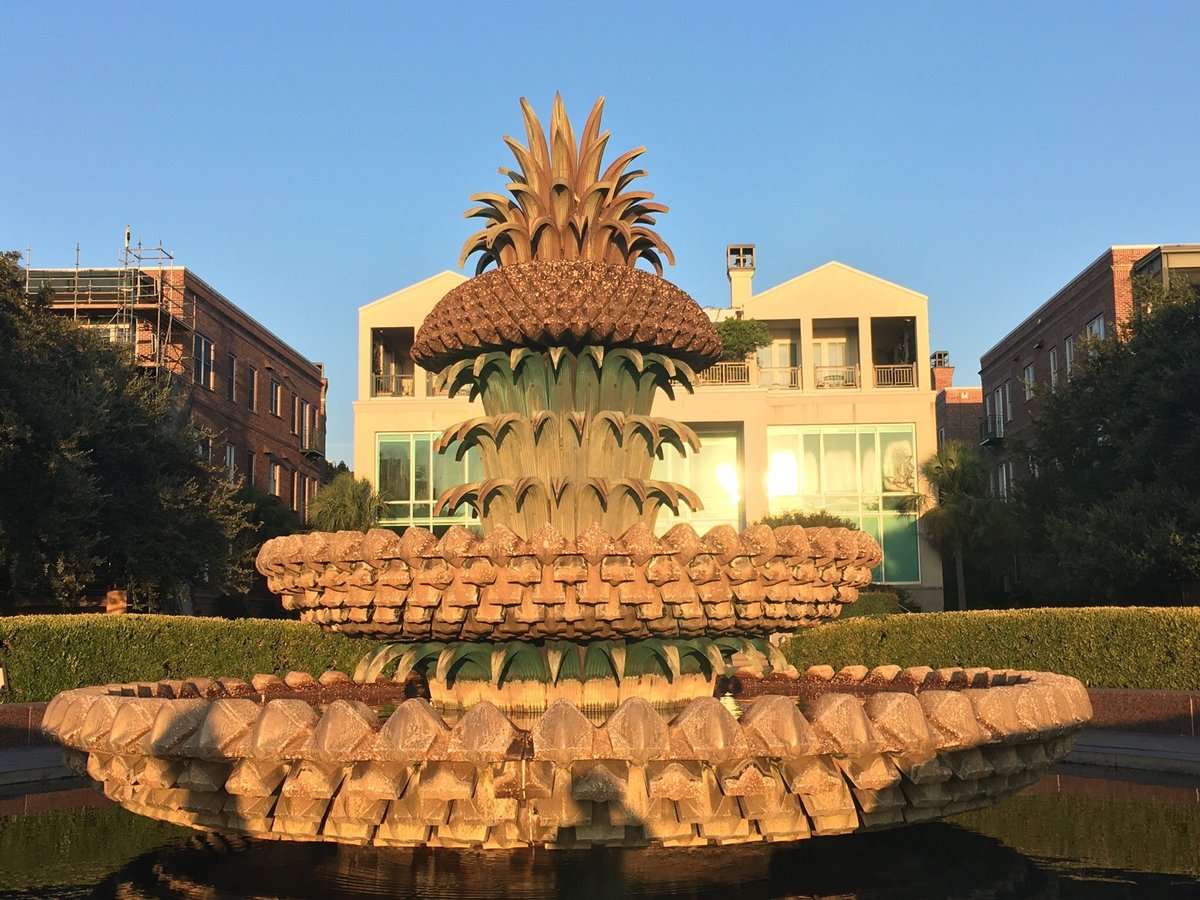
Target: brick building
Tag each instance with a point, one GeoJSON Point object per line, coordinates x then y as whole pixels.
{"type": "Point", "coordinates": [260, 400]}
{"type": "Point", "coordinates": [956, 409]}
{"type": "Point", "coordinates": [1042, 350]}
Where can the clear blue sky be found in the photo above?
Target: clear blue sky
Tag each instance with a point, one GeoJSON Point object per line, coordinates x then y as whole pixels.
{"type": "Point", "coordinates": [305, 159]}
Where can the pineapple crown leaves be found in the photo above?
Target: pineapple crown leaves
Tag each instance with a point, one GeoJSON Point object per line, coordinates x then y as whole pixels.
{"type": "Point", "coordinates": [562, 206]}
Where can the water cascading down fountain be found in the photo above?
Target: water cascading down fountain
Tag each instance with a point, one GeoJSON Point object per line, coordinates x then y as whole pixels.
{"type": "Point", "coordinates": [567, 660]}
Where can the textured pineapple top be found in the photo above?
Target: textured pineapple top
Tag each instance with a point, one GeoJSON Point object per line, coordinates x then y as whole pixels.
{"type": "Point", "coordinates": [559, 303]}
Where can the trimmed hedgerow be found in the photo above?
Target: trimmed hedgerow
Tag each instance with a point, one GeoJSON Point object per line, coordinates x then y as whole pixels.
{"type": "Point", "coordinates": [48, 654]}
{"type": "Point", "coordinates": [1125, 647]}
{"type": "Point", "coordinates": [873, 603]}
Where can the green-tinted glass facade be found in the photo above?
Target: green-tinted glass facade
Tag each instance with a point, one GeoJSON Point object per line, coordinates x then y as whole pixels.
{"type": "Point", "coordinates": [411, 476]}
{"type": "Point", "coordinates": [864, 473]}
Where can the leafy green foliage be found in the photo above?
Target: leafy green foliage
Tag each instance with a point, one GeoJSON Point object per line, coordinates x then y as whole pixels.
{"type": "Point", "coordinates": [1115, 504]}
{"type": "Point", "coordinates": [819, 519]}
{"type": "Point", "coordinates": [741, 337]}
{"type": "Point", "coordinates": [965, 523]}
{"type": "Point", "coordinates": [101, 483]}
{"type": "Point", "coordinates": [873, 603]}
{"type": "Point", "coordinates": [1132, 647]}
{"type": "Point", "coordinates": [48, 654]}
{"type": "Point", "coordinates": [345, 504]}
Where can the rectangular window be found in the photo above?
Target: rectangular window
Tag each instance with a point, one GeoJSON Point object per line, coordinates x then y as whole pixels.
{"type": "Point", "coordinates": [296, 476]}
{"type": "Point", "coordinates": [715, 473]}
{"type": "Point", "coordinates": [1069, 352]}
{"type": "Point", "coordinates": [295, 414]}
{"type": "Point", "coordinates": [1095, 328]}
{"type": "Point", "coordinates": [305, 424]}
{"type": "Point", "coordinates": [1053, 368]}
{"type": "Point", "coordinates": [1005, 411]}
{"type": "Point", "coordinates": [252, 389]}
{"type": "Point", "coordinates": [941, 436]}
{"type": "Point", "coordinates": [231, 384]}
{"type": "Point", "coordinates": [863, 473]}
{"type": "Point", "coordinates": [230, 465]}
{"type": "Point", "coordinates": [250, 467]}
{"type": "Point", "coordinates": [1002, 481]}
{"type": "Point", "coordinates": [1027, 378]}
{"type": "Point", "coordinates": [202, 361]}
{"type": "Point", "coordinates": [410, 476]}
{"type": "Point", "coordinates": [276, 400]}
{"type": "Point", "coordinates": [274, 484]}
{"type": "Point", "coordinates": [204, 448]}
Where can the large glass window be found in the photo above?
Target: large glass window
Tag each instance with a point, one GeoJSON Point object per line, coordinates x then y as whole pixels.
{"type": "Point", "coordinates": [715, 473]}
{"type": "Point", "coordinates": [411, 476]}
{"type": "Point", "coordinates": [863, 473]}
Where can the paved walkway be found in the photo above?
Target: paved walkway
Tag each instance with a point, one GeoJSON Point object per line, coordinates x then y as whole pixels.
{"type": "Point", "coordinates": [1164, 753]}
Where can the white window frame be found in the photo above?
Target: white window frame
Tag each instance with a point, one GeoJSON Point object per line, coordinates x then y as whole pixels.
{"type": "Point", "coordinates": [276, 399]}
{"type": "Point", "coordinates": [1095, 327]}
{"type": "Point", "coordinates": [1028, 378]}
{"type": "Point", "coordinates": [231, 460]}
{"type": "Point", "coordinates": [275, 478]}
{"type": "Point", "coordinates": [1069, 353]}
{"type": "Point", "coordinates": [1054, 368]}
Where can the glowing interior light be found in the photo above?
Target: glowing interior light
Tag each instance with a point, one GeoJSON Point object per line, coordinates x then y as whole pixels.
{"type": "Point", "coordinates": [783, 474]}
{"type": "Point", "coordinates": [727, 478]}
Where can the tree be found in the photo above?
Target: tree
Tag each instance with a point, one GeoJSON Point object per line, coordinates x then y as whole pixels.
{"type": "Point", "coordinates": [345, 504]}
{"type": "Point", "coordinates": [101, 482]}
{"type": "Point", "coordinates": [741, 337]}
{"type": "Point", "coordinates": [1113, 509]}
{"type": "Point", "coordinates": [329, 471]}
{"type": "Point", "coordinates": [964, 524]}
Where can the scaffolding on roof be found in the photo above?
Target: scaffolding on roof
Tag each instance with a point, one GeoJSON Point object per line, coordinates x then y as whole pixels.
{"type": "Point", "coordinates": [141, 304]}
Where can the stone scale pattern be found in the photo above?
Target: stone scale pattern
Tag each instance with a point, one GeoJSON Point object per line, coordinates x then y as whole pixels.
{"type": "Point", "coordinates": [594, 586]}
{"type": "Point", "coordinates": [551, 303]}
{"type": "Point", "coordinates": [875, 749]}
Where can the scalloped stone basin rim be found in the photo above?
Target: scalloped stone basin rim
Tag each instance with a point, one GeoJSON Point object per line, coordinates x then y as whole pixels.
{"type": "Point", "coordinates": [873, 749]}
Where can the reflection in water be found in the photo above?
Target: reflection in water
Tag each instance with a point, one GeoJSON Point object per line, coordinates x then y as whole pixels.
{"type": "Point", "coordinates": [1065, 838]}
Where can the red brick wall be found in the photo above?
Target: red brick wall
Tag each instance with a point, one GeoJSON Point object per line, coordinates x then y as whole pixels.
{"type": "Point", "coordinates": [958, 410]}
{"type": "Point", "coordinates": [1102, 289]}
{"type": "Point", "coordinates": [268, 436]}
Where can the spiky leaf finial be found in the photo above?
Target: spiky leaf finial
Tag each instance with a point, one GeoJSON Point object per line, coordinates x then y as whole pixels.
{"type": "Point", "coordinates": [562, 207]}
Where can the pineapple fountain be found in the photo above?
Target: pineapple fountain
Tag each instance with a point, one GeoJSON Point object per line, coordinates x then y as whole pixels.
{"type": "Point", "coordinates": [570, 656]}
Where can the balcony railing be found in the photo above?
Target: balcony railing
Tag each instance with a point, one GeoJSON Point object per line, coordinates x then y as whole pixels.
{"type": "Point", "coordinates": [780, 377]}
{"type": "Point", "coordinates": [431, 386]}
{"type": "Point", "coordinates": [904, 375]}
{"type": "Point", "coordinates": [836, 377]}
{"type": "Point", "coordinates": [991, 430]}
{"type": "Point", "coordinates": [392, 386]}
{"type": "Point", "coordinates": [726, 373]}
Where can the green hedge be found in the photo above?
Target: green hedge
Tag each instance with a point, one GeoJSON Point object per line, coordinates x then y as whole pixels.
{"type": "Point", "coordinates": [1110, 647]}
{"type": "Point", "coordinates": [873, 603]}
{"type": "Point", "coordinates": [1129, 647]}
{"type": "Point", "coordinates": [48, 654]}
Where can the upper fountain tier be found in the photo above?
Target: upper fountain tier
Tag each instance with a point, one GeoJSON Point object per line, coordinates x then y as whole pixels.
{"type": "Point", "coordinates": [570, 304]}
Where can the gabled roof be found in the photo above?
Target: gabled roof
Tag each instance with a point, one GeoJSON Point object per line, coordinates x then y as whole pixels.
{"type": "Point", "coordinates": [455, 278]}
{"type": "Point", "coordinates": [834, 266]}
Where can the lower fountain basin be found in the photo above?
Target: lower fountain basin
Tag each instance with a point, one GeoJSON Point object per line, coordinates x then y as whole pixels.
{"type": "Point", "coordinates": [861, 750]}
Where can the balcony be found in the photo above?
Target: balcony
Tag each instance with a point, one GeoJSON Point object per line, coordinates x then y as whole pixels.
{"type": "Point", "coordinates": [726, 373]}
{"type": "Point", "coordinates": [391, 386]}
{"type": "Point", "coordinates": [991, 431]}
{"type": "Point", "coordinates": [776, 378]}
{"type": "Point", "coordinates": [836, 377]}
{"type": "Point", "coordinates": [892, 376]}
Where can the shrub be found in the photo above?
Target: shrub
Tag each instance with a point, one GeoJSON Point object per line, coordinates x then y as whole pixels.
{"type": "Point", "coordinates": [874, 603]}
{"type": "Point", "coordinates": [48, 654]}
{"type": "Point", "coordinates": [808, 519]}
{"type": "Point", "coordinates": [1131, 647]}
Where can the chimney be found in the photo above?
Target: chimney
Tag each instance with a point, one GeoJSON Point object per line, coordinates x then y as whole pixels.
{"type": "Point", "coordinates": [941, 373]}
{"type": "Point", "coordinates": [739, 266]}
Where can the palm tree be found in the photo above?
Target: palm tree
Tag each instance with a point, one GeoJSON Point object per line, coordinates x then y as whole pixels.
{"type": "Point", "coordinates": [345, 504]}
{"type": "Point", "coordinates": [964, 517]}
